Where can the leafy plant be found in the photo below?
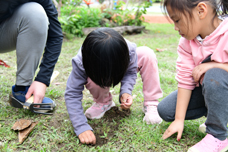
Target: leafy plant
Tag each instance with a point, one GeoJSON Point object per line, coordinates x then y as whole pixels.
{"type": "Point", "coordinates": [122, 16]}
{"type": "Point", "coordinates": [81, 18]}
{"type": "Point", "coordinates": [141, 9]}
{"type": "Point", "coordinates": [74, 19]}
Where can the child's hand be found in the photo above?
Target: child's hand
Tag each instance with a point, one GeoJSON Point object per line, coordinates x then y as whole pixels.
{"type": "Point", "coordinates": [126, 101]}
{"type": "Point", "coordinates": [175, 126]}
{"type": "Point", "coordinates": [200, 70]}
{"type": "Point", "coordinates": [87, 137]}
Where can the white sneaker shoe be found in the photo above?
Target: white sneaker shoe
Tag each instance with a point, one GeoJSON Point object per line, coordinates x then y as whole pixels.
{"type": "Point", "coordinates": [151, 114]}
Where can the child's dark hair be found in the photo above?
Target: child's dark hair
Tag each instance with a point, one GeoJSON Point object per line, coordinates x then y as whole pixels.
{"type": "Point", "coordinates": [105, 57]}
{"type": "Point", "coordinates": [186, 6]}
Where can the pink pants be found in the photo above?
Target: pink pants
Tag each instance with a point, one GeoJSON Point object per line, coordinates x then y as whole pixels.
{"type": "Point", "coordinates": [148, 68]}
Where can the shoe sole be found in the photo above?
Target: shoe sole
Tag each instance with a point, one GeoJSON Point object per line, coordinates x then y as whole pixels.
{"type": "Point", "coordinates": [224, 149]}
{"type": "Point", "coordinates": [195, 150]}
{"type": "Point", "coordinates": [14, 102]}
{"type": "Point", "coordinates": [101, 115]}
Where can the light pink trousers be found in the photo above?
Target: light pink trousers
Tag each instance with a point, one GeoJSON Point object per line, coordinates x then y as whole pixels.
{"type": "Point", "coordinates": [148, 68]}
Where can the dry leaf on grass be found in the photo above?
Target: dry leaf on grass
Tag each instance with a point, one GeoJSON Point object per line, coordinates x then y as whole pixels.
{"type": "Point", "coordinates": [160, 50]}
{"type": "Point", "coordinates": [23, 134]}
{"type": "Point", "coordinates": [21, 124]}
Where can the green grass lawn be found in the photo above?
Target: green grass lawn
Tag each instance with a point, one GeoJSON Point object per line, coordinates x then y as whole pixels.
{"type": "Point", "coordinates": [55, 133]}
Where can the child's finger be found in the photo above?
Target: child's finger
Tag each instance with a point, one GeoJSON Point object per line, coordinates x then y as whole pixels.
{"type": "Point", "coordinates": [179, 134]}
{"type": "Point", "coordinates": [93, 138]}
{"type": "Point", "coordinates": [124, 101]}
{"type": "Point", "coordinates": [123, 106]}
{"type": "Point", "coordinates": [167, 134]}
{"type": "Point", "coordinates": [129, 100]}
{"type": "Point", "coordinates": [127, 104]}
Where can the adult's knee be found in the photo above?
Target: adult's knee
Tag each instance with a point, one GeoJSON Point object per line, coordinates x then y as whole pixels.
{"type": "Point", "coordinates": [34, 17]}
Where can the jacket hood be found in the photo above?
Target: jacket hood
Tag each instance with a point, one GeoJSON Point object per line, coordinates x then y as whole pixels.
{"type": "Point", "coordinates": [214, 36]}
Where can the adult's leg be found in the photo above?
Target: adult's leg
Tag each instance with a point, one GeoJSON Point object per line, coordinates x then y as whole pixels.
{"type": "Point", "coordinates": [26, 31]}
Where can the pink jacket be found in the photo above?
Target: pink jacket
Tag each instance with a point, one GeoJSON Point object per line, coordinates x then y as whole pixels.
{"type": "Point", "coordinates": [191, 53]}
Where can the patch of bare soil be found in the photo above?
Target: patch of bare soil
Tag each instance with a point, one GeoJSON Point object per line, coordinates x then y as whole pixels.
{"type": "Point", "coordinates": [112, 119]}
{"type": "Point", "coordinates": [157, 19]}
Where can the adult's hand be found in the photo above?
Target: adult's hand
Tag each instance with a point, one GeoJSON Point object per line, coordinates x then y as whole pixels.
{"type": "Point", "coordinates": [126, 101]}
{"type": "Point", "coordinates": [37, 89]}
{"type": "Point", "coordinates": [87, 137]}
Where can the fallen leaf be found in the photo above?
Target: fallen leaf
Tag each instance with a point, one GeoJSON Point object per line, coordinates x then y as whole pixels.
{"type": "Point", "coordinates": [21, 124]}
{"type": "Point", "coordinates": [23, 134]}
{"type": "Point", "coordinates": [4, 64]}
{"type": "Point", "coordinates": [160, 50]}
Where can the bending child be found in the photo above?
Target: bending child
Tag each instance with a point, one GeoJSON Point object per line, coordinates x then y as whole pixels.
{"type": "Point", "coordinates": [202, 72]}
{"type": "Point", "coordinates": [104, 60]}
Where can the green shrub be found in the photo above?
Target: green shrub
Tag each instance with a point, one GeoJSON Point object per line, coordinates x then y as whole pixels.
{"type": "Point", "coordinates": [73, 19]}
{"type": "Point", "coordinates": [126, 17]}
{"type": "Point", "coordinates": [78, 19]}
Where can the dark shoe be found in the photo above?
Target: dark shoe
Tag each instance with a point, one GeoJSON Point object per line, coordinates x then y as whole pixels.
{"type": "Point", "coordinates": [20, 95]}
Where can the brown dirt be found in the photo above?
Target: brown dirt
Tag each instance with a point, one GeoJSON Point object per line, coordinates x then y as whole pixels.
{"type": "Point", "coordinates": [157, 19]}
{"type": "Point", "coordinates": [112, 118]}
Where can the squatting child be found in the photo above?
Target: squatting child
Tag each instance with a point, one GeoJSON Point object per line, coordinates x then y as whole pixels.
{"type": "Point", "coordinates": [202, 71]}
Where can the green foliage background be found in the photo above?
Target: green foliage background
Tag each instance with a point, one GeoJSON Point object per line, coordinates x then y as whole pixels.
{"type": "Point", "coordinates": [74, 18]}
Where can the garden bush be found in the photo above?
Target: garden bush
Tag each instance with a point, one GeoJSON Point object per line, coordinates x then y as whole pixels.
{"type": "Point", "coordinates": [73, 19]}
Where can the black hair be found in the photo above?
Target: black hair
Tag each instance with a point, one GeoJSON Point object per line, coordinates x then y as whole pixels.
{"type": "Point", "coordinates": [224, 6]}
{"type": "Point", "coordinates": [105, 57]}
{"type": "Point", "coordinates": [186, 6]}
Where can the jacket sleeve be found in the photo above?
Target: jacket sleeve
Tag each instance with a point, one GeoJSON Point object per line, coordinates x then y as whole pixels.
{"type": "Point", "coordinates": [53, 45]}
{"type": "Point", "coordinates": [129, 79]}
{"type": "Point", "coordinates": [184, 66]}
{"type": "Point", "coordinates": [74, 95]}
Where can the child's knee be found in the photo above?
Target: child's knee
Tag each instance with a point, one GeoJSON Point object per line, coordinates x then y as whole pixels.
{"type": "Point", "coordinates": [145, 51]}
{"type": "Point", "coordinates": [164, 113]}
{"type": "Point", "coordinates": [214, 80]}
